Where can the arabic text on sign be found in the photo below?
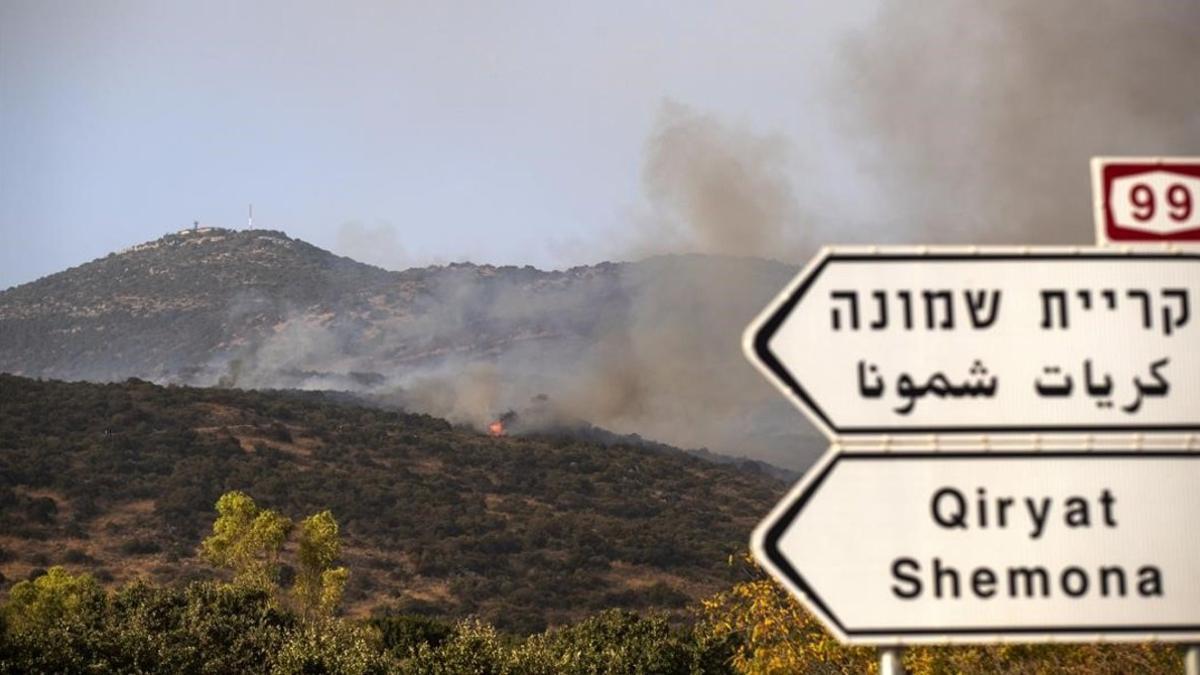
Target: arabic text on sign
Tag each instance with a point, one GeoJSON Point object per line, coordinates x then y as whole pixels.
{"type": "Point", "coordinates": [1055, 382]}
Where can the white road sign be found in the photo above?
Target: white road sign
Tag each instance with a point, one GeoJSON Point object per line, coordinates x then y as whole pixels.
{"type": "Point", "coordinates": [914, 547]}
{"type": "Point", "coordinates": [909, 343]}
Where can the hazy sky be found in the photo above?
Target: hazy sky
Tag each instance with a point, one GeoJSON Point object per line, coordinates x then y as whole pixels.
{"type": "Point", "coordinates": [553, 133]}
{"type": "Point", "coordinates": [496, 132]}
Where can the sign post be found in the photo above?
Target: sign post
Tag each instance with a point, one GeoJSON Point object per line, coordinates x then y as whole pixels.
{"type": "Point", "coordinates": [890, 662]}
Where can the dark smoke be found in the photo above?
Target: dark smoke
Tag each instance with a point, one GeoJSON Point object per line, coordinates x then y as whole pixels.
{"type": "Point", "coordinates": [986, 114]}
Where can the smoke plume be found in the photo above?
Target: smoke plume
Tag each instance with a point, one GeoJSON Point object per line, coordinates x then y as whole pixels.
{"type": "Point", "coordinates": [973, 123]}
{"type": "Point", "coordinates": [653, 348]}
{"type": "Point", "coordinates": [983, 116]}
{"type": "Point", "coordinates": [714, 188]}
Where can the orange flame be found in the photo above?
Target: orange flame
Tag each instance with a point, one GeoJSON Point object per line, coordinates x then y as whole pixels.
{"type": "Point", "coordinates": [496, 428]}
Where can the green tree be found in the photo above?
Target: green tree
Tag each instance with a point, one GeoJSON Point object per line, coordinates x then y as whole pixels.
{"type": "Point", "coordinates": [771, 633]}
{"type": "Point", "coordinates": [52, 624]}
{"type": "Point", "coordinates": [53, 599]}
{"type": "Point", "coordinates": [247, 539]}
{"type": "Point", "coordinates": [319, 584]}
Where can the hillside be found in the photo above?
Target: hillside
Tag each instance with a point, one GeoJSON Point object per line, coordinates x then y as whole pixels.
{"type": "Point", "coordinates": [180, 308]}
{"type": "Point", "coordinates": [120, 479]}
{"type": "Point", "coordinates": [167, 304]}
{"type": "Point", "coordinates": [650, 347]}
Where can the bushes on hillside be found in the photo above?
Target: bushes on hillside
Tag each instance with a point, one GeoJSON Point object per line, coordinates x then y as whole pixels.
{"type": "Point", "coordinates": [526, 532]}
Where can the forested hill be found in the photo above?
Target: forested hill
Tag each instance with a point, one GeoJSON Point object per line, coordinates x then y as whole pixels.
{"type": "Point", "coordinates": [121, 479]}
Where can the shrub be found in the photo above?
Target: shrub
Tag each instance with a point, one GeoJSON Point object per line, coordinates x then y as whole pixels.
{"type": "Point", "coordinates": [76, 556]}
{"type": "Point", "coordinates": [403, 634]}
{"type": "Point", "coordinates": [329, 647]}
{"type": "Point", "coordinates": [140, 547]}
{"type": "Point", "coordinates": [475, 648]}
{"type": "Point", "coordinates": [615, 641]}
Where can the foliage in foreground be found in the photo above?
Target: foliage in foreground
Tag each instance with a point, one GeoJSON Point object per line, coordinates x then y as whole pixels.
{"type": "Point", "coordinates": [60, 622]}
{"type": "Point", "coordinates": [64, 623]}
{"type": "Point", "coordinates": [249, 540]}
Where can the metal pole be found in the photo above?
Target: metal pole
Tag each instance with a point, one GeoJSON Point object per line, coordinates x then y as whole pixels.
{"type": "Point", "coordinates": [890, 663]}
{"type": "Point", "coordinates": [1191, 660]}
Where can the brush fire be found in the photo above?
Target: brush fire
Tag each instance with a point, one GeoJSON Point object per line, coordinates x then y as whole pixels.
{"type": "Point", "coordinates": [500, 426]}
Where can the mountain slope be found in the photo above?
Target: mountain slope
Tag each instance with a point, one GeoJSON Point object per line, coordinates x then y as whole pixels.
{"type": "Point", "coordinates": [172, 308]}
{"type": "Point", "coordinates": [651, 347]}
{"type": "Point", "coordinates": [167, 304]}
{"type": "Point", "coordinates": [525, 531]}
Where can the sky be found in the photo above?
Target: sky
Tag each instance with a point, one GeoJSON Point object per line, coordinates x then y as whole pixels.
{"type": "Point", "coordinates": [401, 133]}
{"type": "Point", "coordinates": [556, 134]}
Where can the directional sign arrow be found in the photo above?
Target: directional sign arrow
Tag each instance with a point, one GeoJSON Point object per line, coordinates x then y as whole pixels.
{"type": "Point", "coordinates": [979, 547]}
{"type": "Point", "coordinates": [913, 342]}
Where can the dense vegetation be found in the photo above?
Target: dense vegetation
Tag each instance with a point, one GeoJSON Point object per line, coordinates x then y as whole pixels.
{"type": "Point", "coordinates": [64, 623]}
{"type": "Point", "coordinates": [523, 532]}
{"type": "Point", "coordinates": [67, 624]}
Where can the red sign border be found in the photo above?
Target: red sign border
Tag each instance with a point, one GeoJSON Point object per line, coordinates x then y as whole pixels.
{"type": "Point", "coordinates": [1105, 170]}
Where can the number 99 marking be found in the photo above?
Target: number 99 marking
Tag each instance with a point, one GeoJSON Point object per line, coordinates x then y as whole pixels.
{"type": "Point", "coordinates": [1143, 199]}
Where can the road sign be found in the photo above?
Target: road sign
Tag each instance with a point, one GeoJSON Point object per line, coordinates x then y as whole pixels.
{"type": "Point", "coordinates": [909, 344]}
{"type": "Point", "coordinates": [1146, 199]}
{"type": "Point", "coordinates": [923, 547]}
